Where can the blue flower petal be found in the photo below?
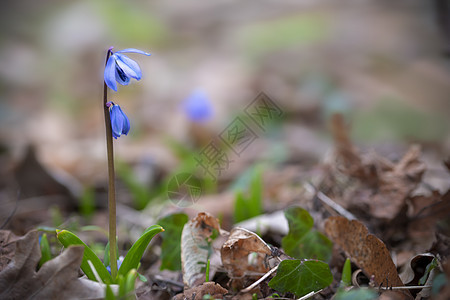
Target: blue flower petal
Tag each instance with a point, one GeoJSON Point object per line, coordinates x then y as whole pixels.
{"type": "Point", "coordinates": [121, 77]}
{"type": "Point", "coordinates": [198, 107]}
{"type": "Point", "coordinates": [119, 263]}
{"type": "Point", "coordinates": [120, 68]}
{"type": "Point", "coordinates": [129, 66]}
{"type": "Point", "coordinates": [117, 121]}
{"type": "Point", "coordinates": [126, 123]}
{"type": "Point", "coordinates": [132, 50]}
{"type": "Point", "coordinates": [110, 74]}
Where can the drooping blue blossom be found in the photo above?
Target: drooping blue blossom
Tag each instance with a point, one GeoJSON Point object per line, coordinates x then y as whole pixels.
{"type": "Point", "coordinates": [120, 68]}
{"type": "Point", "coordinates": [119, 120]}
{"type": "Point", "coordinates": [119, 263]}
{"type": "Point", "coordinates": [198, 107]}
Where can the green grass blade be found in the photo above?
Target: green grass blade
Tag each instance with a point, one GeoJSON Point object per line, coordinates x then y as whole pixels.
{"type": "Point", "coordinates": [240, 207]}
{"type": "Point", "coordinates": [134, 255]}
{"type": "Point", "coordinates": [171, 237]}
{"type": "Point", "coordinates": [45, 250]}
{"type": "Point", "coordinates": [346, 274]}
{"type": "Point", "coordinates": [207, 271]}
{"type": "Point", "coordinates": [106, 257]}
{"type": "Point", "coordinates": [256, 192]}
{"type": "Point", "coordinates": [67, 238]}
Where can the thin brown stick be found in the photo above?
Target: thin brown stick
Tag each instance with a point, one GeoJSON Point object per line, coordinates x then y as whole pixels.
{"type": "Point", "coordinates": [111, 182]}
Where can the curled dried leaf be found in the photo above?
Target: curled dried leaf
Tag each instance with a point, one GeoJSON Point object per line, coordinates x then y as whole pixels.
{"type": "Point", "coordinates": [244, 253]}
{"type": "Point", "coordinates": [415, 267]}
{"type": "Point", "coordinates": [195, 246]}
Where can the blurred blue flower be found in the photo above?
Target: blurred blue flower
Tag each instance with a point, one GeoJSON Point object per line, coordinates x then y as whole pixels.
{"type": "Point", "coordinates": [119, 263]}
{"type": "Point", "coordinates": [198, 107]}
{"type": "Point", "coordinates": [119, 120]}
{"type": "Point", "coordinates": [121, 68]}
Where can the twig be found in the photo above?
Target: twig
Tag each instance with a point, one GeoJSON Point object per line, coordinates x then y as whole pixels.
{"type": "Point", "coordinates": [328, 201]}
{"type": "Point", "coordinates": [412, 287]}
{"type": "Point", "coordinates": [252, 286]}
{"type": "Point", "coordinates": [309, 295]}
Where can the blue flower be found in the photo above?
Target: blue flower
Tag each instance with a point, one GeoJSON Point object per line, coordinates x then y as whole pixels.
{"type": "Point", "coordinates": [121, 68]}
{"type": "Point", "coordinates": [119, 263]}
{"type": "Point", "coordinates": [119, 120]}
{"type": "Point", "coordinates": [198, 107]}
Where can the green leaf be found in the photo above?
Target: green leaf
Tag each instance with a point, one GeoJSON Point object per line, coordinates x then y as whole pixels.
{"type": "Point", "coordinates": [130, 281]}
{"type": "Point", "coordinates": [106, 256]}
{"type": "Point", "coordinates": [67, 238]}
{"type": "Point", "coordinates": [142, 277]}
{"type": "Point", "coordinates": [433, 264]}
{"type": "Point", "coordinates": [207, 271]}
{"type": "Point", "coordinates": [109, 295]}
{"type": "Point", "coordinates": [46, 229]}
{"type": "Point", "coordinates": [171, 241]}
{"type": "Point", "coordinates": [134, 255]}
{"type": "Point", "coordinates": [356, 294]}
{"type": "Point", "coordinates": [126, 284]}
{"type": "Point", "coordinates": [251, 206]}
{"type": "Point", "coordinates": [301, 276]}
{"type": "Point", "coordinates": [303, 241]}
{"type": "Point", "coordinates": [256, 192]}
{"type": "Point", "coordinates": [45, 250]}
{"type": "Point", "coordinates": [346, 274]}
{"type": "Point", "coordinates": [240, 210]}
{"type": "Point", "coordinates": [87, 202]}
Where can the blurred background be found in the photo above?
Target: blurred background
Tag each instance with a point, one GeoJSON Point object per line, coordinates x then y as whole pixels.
{"type": "Point", "coordinates": [384, 65]}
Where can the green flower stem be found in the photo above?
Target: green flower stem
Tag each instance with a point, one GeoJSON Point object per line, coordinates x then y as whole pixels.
{"type": "Point", "coordinates": [111, 182]}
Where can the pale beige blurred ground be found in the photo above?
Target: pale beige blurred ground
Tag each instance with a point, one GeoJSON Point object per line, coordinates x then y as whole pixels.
{"type": "Point", "coordinates": [363, 58]}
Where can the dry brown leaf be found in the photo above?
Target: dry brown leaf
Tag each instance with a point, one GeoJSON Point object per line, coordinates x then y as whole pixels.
{"type": "Point", "coordinates": [349, 159]}
{"type": "Point", "coordinates": [441, 246]}
{"type": "Point", "coordinates": [207, 288]}
{"type": "Point", "coordinates": [369, 183]}
{"type": "Point", "coordinates": [7, 247]}
{"type": "Point", "coordinates": [244, 253]}
{"type": "Point", "coordinates": [367, 251]}
{"type": "Point", "coordinates": [427, 212]}
{"type": "Point", "coordinates": [395, 186]}
{"type": "Point", "coordinates": [57, 278]}
{"type": "Point", "coordinates": [415, 268]}
{"type": "Point", "coordinates": [195, 240]}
